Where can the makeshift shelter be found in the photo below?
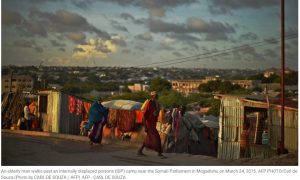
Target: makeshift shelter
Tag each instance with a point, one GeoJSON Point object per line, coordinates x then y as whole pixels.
{"type": "Point", "coordinates": [196, 136]}
{"type": "Point", "coordinates": [122, 118]}
{"type": "Point", "coordinates": [262, 115]}
{"type": "Point", "coordinates": [12, 105]}
{"type": "Point", "coordinates": [60, 112]}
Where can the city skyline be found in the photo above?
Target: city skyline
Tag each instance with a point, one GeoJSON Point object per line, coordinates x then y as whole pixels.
{"type": "Point", "coordinates": [148, 32]}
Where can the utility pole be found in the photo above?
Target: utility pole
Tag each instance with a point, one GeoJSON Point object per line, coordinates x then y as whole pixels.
{"type": "Point", "coordinates": [282, 77]}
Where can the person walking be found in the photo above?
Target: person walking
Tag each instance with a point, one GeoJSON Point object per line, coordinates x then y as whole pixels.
{"type": "Point", "coordinates": [27, 116]}
{"type": "Point", "coordinates": [97, 119]}
{"type": "Point", "coordinates": [151, 110]}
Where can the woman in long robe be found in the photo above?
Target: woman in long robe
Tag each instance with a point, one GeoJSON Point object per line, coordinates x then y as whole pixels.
{"type": "Point", "coordinates": [151, 111]}
{"type": "Point", "coordinates": [97, 119]}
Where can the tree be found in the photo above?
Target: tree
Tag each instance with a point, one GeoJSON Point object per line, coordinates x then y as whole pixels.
{"type": "Point", "coordinates": [170, 99]}
{"type": "Point", "coordinates": [159, 84]}
{"type": "Point", "coordinates": [215, 107]}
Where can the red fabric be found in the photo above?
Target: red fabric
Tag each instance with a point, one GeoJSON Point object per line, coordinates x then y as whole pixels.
{"type": "Point", "coordinates": [112, 118]}
{"type": "Point", "coordinates": [79, 107]}
{"type": "Point", "coordinates": [139, 117]}
{"type": "Point", "coordinates": [71, 104]}
{"type": "Point", "coordinates": [125, 120]}
{"type": "Point", "coordinates": [152, 140]}
{"type": "Point", "coordinates": [32, 107]}
{"type": "Point", "coordinates": [151, 114]}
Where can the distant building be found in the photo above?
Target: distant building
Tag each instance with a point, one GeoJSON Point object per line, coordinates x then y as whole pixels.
{"type": "Point", "coordinates": [212, 78]}
{"type": "Point", "coordinates": [271, 71]}
{"type": "Point", "coordinates": [138, 87]}
{"type": "Point", "coordinates": [187, 86]}
{"type": "Point", "coordinates": [247, 84]}
{"type": "Point", "coordinates": [12, 83]}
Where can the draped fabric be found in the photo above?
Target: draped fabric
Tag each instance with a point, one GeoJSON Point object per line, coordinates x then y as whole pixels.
{"type": "Point", "coordinates": [176, 119]}
{"type": "Point", "coordinates": [139, 117]}
{"type": "Point", "coordinates": [32, 107]}
{"type": "Point", "coordinates": [71, 104]}
{"type": "Point", "coordinates": [112, 118]}
{"type": "Point", "coordinates": [79, 107]}
{"type": "Point", "coordinates": [125, 119]}
{"type": "Point", "coordinates": [151, 112]}
{"type": "Point", "coordinates": [87, 106]}
{"type": "Point", "coordinates": [152, 140]}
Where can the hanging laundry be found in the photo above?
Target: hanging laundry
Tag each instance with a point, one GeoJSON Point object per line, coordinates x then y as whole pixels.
{"type": "Point", "coordinates": [112, 118]}
{"type": "Point", "coordinates": [139, 117]}
{"type": "Point", "coordinates": [87, 106]}
{"type": "Point", "coordinates": [32, 107]}
{"type": "Point", "coordinates": [71, 104]}
{"type": "Point", "coordinates": [79, 105]}
{"type": "Point", "coordinates": [126, 120]}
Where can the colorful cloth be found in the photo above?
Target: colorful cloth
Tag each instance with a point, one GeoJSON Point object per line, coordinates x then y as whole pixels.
{"type": "Point", "coordinates": [139, 115]}
{"type": "Point", "coordinates": [71, 104]}
{"type": "Point", "coordinates": [151, 112]}
{"type": "Point", "coordinates": [32, 107]}
{"type": "Point", "coordinates": [125, 120]}
{"type": "Point", "coordinates": [79, 107]}
{"type": "Point", "coordinates": [112, 118]}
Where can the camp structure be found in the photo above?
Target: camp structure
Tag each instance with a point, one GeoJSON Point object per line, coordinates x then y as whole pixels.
{"type": "Point", "coordinates": [60, 112]}
{"type": "Point", "coordinates": [197, 135]}
{"type": "Point", "coordinates": [261, 119]}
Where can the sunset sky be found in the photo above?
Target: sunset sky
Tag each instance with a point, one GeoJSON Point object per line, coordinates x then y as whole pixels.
{"type": "Point", "coordinates": [142, 32]}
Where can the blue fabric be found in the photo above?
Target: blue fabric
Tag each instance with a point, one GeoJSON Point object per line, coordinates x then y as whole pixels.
{"type": "Point", "coordinates": [97, 113]}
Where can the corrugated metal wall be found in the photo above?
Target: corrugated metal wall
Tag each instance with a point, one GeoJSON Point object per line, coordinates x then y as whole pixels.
{"type": "Point", "coordinates": [231, 121]}
{"type": "Point", "coordinates": [290, 130]}
{"type": "Point", "coordinates": [68, 123]}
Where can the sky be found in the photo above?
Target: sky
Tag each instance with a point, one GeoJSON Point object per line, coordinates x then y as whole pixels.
{"type": "Point", "coordinates": [226, 34]}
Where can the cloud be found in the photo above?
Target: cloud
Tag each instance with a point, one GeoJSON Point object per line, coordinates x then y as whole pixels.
{"type": "Point", "coordinates": [155, 7]}
{"type": "Point", "coordinates": [94, 48]}
{"type": "Point", "coordinates": [147, 36]}
{"type": "Point", "coordinates": [178, 54]}
{"type": "Point", "coordinates": [54, 43]}
{"type": "Point", "coordinates": [126, 51]}
{"type": "Point", "coordinates": [39, 49]}
{"type": "Point", "coordinates": [117, 40]}
{"type": "Point", "coordinates": [82, 4]}
{"type": "Point", "coordinates": [224, 7]}
{"type": "Point", "coordinates": [270, 53]}
{"type": "Point", "coordinates": [128, 16]}
{"type": "Point", "coordinates": [63, 21]}
{"type": "Point", "coordinates": [118, 26]}
{"type": "Point", "coordinates": [248, 36]}
{"type": "Point", "coordinates": [76, 37]}
{"type": "Point", "coordinates": [28, 44]}
{"type": "Point", "coordinates": [24, 43]}
{"type": "Point", "coordinates": [192, 25]}
{"type": "Point", "coordinates": [62, 49]}
{"type": "Point", "coordinates": [11, 18]}
{"type": "Point", "coordinates": [183, 37]}
{"type": "Point", "coordinates": [34, 28]}
{"type": "Point", "coordinates": [271, 40]}
{"type": "Point", "coordinates": [78, 50]}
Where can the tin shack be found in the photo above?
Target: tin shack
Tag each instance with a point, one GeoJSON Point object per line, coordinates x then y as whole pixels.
{"type": "Point", "coordinates": [260, 119]}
